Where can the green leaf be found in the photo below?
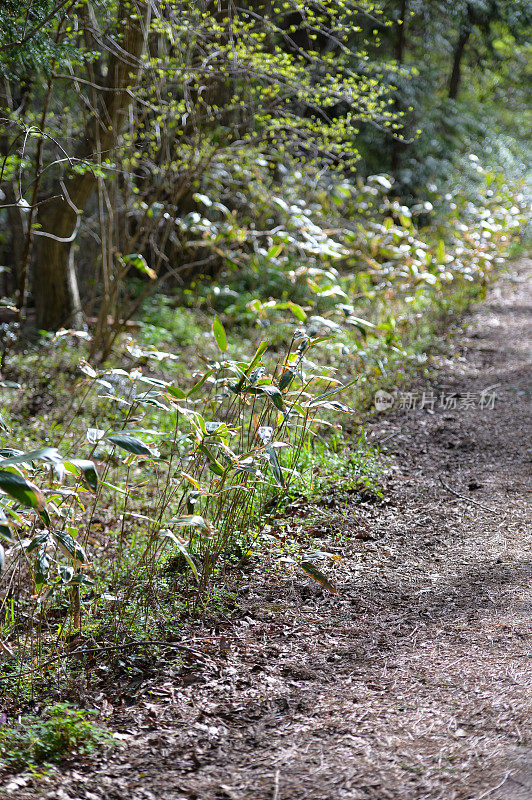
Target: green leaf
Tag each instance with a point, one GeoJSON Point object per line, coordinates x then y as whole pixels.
{"type": "Point", "coordinates": [176, 392]}
{"type": "Point", "coordinates": [361, 324]}
{"type": "Point", "coordinates": [275, 466]}
{"type": "Point", "coordinates": [263, 346]}
{"type": "Point", "coordinates": [183, 550]}
{"type": "Point", "coordinates": [131, 444]}
{"type": "Point", "coordinates": [45, 454]}
{"type": "Point", "coordinates": [94, 435]}
{"type": "Point", "coordinates": [140, 263]}
{"type": "Point", "coordinates": [333, 391]}
{"type": "Point", "coordinates": [5, 531]}
{"type": "Point", "coordinates": [274, 251]}
{"type": "Point", "coordinates": [286, 379]}
{"type": "Point", "coordinates": [214, 464]}
{"type": "Point", "coordinates": [37, 541]}
{"type": "Point", "coordinates": [318, 576]}
{"type": "Point", "coordinates": [297, 311]}
{"type": "Point", "coordinates": [7, 452]}
{"type": "Point", "coordinates": [87, 469]}
{"type": "Point", "coordinates": [197, 386]}
{"type": "Point", "coordinates": [219, 334]}
{"type": "Point", "coordinates": [70, 546]}
{"type": "Point", "coordinates": [66, 573]}
{"type": "Point", "coordinates": [275, 396]}
{"type": "Point", "coordinates": [7, 534]}
{"type": "Point", "coordinates": [334, 405]}
{"type": "Point", "coordinates": [25, 492]}
{"type": "Point", "coordinates": [42, 569]}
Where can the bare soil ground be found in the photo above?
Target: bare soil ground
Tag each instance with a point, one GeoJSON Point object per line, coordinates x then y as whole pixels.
{"type": "Point", "coordinates": [414, 682]}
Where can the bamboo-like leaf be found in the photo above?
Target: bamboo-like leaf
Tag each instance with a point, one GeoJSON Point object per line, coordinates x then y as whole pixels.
{"type": "Point", "coordinates": [131, 444]}
{"type": "Point", "coordinates": [318, 576]}
{"type": "Point", "coordinates": [70, 546]}
{"type": "Point", "coordinates": [66, 573]}
{"type": "Point", "coordinates": [86, 368]}
{"type": "Point", "coordinates": [361, 324]}
{"type": "Point", "coordinates": [193, 520]}
{"type": "Point", "coordinates": [37, 541]}
{"type": "Point", "coordinates": [25, 492]}
{"type": "Point", "coordinates": [183, 550]}
{"type": "Point", "coordinates": [200, 383]}
{"type": "Point", "coordinates": [140, 263]}
{"type": "Point", "coordinates": [94, 435]}
{"type": "Point", "coordinates": [332, 405]}
{"type": "Point", "coordinates": [289, 305]}
{"type": "Point", "coordinates": [189, 478]}
{"type": "Point", "coordinates": [42, 569]}
{"type": "Point", "coordinates": [6, 533]}
{"type": "Point", "coordinates": [271, 391]}
{"type": "Point", "coordinates": [87, 469]}
{"type": "Point", "coordinates": [214, 464]}
{"type": "Point", "coordinates": [7, 452]}
{"type": "Point", "coordinates": [265, 433]}
{"type": "Point", "coordinates": [275, 466]}
{"type": "Point", "coordinates": [286, 379]}
{"type": "Point", "coordinates": [176, 392]}
{"type": "Point", "coordinates": [219, 334]}
{"type": "Point", "coordinates": [332, 392]}
{"type": "Point", "coordinates": [49, 454]}
{"type": "Point", "coordinates": [263, 346]}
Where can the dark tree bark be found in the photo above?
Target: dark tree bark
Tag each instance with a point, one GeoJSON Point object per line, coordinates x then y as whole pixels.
{"type": "Point", "coordinates": [458, 53]}
{"type": "Point", "coordinates": [400, 46]}
{"type": "Point", "coordinates": [55, 283]}
{"type": "Point", "coordinates": [15, 246]}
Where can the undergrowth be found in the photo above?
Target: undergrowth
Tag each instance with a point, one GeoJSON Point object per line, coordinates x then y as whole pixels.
{"type": "Point", "coordinates": [146, 483]}
{"type": "Point", "coordinates": [35, 740]}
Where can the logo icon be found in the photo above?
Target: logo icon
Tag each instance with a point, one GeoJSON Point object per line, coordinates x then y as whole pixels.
{"type": "Point", "coordinates": [383, 400]}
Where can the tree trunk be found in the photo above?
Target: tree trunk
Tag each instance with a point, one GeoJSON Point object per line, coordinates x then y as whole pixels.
{"type": "Point", "coordinates": [456, 71]}
{"type": "Point", "coordinates": [400, 46]}
{"type": "Point", "coordinates": [15, 217]}
{"type": "Point", "coordinates": [56, 291]}
{"type": "Point", "coordinates": [17, 235]}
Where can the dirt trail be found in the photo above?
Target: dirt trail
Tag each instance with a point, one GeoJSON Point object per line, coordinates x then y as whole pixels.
{"type": "Point", "coordinates": [413, 683]}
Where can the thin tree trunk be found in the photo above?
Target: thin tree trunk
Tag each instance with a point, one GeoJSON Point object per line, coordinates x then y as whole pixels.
{"type": "Point", "coordinates": [14, 212]}
{"type": "Point", "coordinates": [56, 288]}
{"type": "Point", "coordinates": [55, 283]}
{"type": "Point", "coordinates": [17, 235]}
{"type": "Point", "coordinates": [400, 46]}
{"type": "Point", "coordinates": [456, 71]}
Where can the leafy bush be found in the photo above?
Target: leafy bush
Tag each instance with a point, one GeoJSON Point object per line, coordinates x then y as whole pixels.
{"type": "Point", "coordinates": [190, 471]}
{"type": "Point", "coordinates": [59, 732]}
{"type": "Point", "coordinates": [182, 455]}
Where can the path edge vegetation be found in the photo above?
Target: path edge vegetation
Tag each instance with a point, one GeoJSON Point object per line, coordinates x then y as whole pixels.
{"type": "Point", "coordinates": [247, 299]}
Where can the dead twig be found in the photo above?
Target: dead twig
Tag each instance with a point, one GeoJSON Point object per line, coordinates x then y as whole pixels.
{"type": "Point", "coordinates": [494, 789]}
{"type": "Point", "coordinates": [469, 499]}
{"type": "Point", "coordinates": [276, 785]}
{"type": "Point", "coordinates": [105, 648]}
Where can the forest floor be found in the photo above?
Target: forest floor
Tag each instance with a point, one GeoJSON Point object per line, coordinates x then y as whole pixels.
{"type": "Point", "coordinates": [414, 681]}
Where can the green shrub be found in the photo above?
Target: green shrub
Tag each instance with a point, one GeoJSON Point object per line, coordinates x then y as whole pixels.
{"type": "Point", "coordinates": [61, 731]}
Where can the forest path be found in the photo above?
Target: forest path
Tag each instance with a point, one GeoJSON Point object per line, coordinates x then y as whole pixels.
{"type": "Point", "coordinates": [413, 683]}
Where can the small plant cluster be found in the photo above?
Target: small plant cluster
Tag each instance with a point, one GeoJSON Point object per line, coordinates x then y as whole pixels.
{"type": "Point", "coordinates": [191, 472]}
{"type": "Point", "coordinates": [59, 731]}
